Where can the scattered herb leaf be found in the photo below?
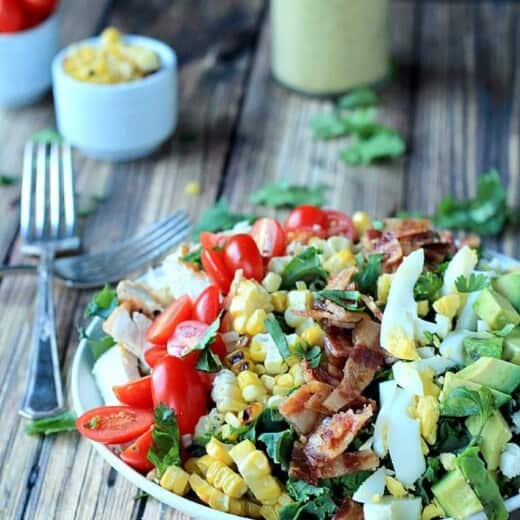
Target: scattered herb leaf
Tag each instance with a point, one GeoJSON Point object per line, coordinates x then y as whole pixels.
{"type": "Point", "coordinates": [429, 477]}
{"type": "Point", "coordinates": [428, 287]}
{"type": "Point", "coordinates": [304, 267]}
{"type": "Point", "coordinates": [193, 257]}
{"type": "Point", "coordinates": [279, 446]}
{"type": "Point", "coordinates": [284, 195]}
{"type": "Point", "coordinates": [361, 97]}
{"type": "Point", "coordinates": [349, 300]}
{"type": "Point", "coordinates": [313, 357]}
{"type": "Point", "coordinates": [98, 346]}
{"type": "Point", "coordinates": [273, 328]}
{"type": "Point", "coordinates": [166, 449]}
{"type": "Point", "coordinates": [382, 145]}
{"type": "Point", "coordinates": [329, 125]}
{"type": "Point", "coordinates": [102, 303]}
{"type": "Point", "coordinates": [475, 282]}
{"type": "Point", "coordinates": [368, 274]}
{"type": "Point", "coordinates": [208, 360]}
{"type": "Point", "coordinates": [64, 422]}
{"type": "Point", "coordinates": [452, 436]}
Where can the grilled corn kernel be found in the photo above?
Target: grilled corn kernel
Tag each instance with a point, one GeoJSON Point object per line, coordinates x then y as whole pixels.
{"type": "Point", "coordinates": [218, 451]}
{"type": "Point", "coordinates": [292, 360]}
{"type": "Point", "coordinates": [176, 479]}
{"type": "Point", "coordinates": [250, 296]}
{"type": "Point", "coordinates": [226, 393]}
{"type": "Point", "coordinates": [339, 261]}
{"type": "Point", "coordinates": [203, 463]}
{"type": "Point", "coordinates": [395, 488]}
{"type": "Point", "coordinates": [247, 378]}
{"type": "Point", "coordinates": [273, 361]}
{"type": "Point", "coordinates": [275, 401]}
{"type": "Point", "coordinates": [447, 305]}
{"type": "Point", "coordinates": [191, 465]}
{"type": "Point", "coordinates": [268, 382]}
{"type": "Point", "coordinates": [313, 335]}
{"type": "Point", "coordinates": [192, 188]}
{"type": "Point", "coordinates": [278, 263]}
{"type": "Point", "coordinates": [272, 282]}
{"type": "Point", "coordinates": [110, 36]}
{"type": "Point", "coordinates": [242, 507]}
{"type": "Point", "coordinates": [297, 301]}
{"type": "Point", "coordinates": [270, 512]}
{"type": "Point", "coordinates": [301, 286]}
{"type": "Point", "coordinates": [338, 243]}
{"type": "Point", "coordinates": [248, 415]}
{"type": "Point", "coordinates": [257, 350]}
{"type": "Point", "coordinates": [256, 322]}
{"type": "Point", "coordinates": [279, 300]}
{"type": "Point", "coordinates": [383, 287]}
{"type": "Point", "coordinates": [239, 360]}
{"type": "Point", "coordinates": [361, 221]}
{"type": "Point", "coordinates": [252, 393]}
{"type": "Point", "coordinates": [222, 477]}
{"type": "Point", "coordinates": [232, 420]}
{"type": "Point", "coordinates": [208, 494]}
{"type": "Point", "coordinates": [259, 369]}
{"type": "Point", "coordinates": [296, 372]}
{"type": "Point", "coordinates": [423, 307]}
{"type": "Point", "coordinates": [285, 380]}
{"type": "Point", "coordinates": [229, 433]}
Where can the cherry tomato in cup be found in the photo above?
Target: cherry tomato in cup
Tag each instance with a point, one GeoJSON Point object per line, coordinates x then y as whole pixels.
{"type": "Point", "coordinates": [137, 394]}
{"type": "Point", "coordinates": [210, 240]}
{"type": "Point", "coordinates": [178, 386]}
{"type": "Point", "coordinates": [207, 306]}
{"type": "Point", "coordinates": [12, 16]}
{"type": "Point", "coordinates": [241, 252]}
{"type": "Point", "coordinates": [164, 325]}
{"type": "Point", "coordinates": [270, 237]}
{"type": "Point", "coordinates": [307, 218]}
{"type": "Point", "coordinates": [114, 424]}
{"type": "Point", "coordinates": [154, 354]}
{"type": "Point", "coordinates": [41, 7]}
{"type": "Point", "coordinates": [135, 455]}
{"type": "Point", "coordinates": [215, 267]}
{"type": "Point", "coordinates": [340, 224]}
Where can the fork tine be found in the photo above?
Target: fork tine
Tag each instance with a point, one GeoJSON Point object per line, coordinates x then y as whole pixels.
{"type": "Point", "coordinates": [55, 190]}
{"type": "Point", "coordinates": [27, 200]}
{"type": "Point", "coordinates": [68, 191]}
{"type": "Point", "coordinates": [41, 190]}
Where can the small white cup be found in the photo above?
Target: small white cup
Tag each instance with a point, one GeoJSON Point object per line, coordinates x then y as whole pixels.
{"type": "Point", "coordinates": [118, 122]}
{"type": "Point", "coordinates": [25, 63]}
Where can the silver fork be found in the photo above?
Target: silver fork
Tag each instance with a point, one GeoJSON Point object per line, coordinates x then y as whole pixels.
{"type": "Point", "coordinates": [47, 227]}
{"type": "Point", "coordinates": [94, 270]}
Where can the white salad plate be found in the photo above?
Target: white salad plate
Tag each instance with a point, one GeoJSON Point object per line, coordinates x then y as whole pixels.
{"type": "Point", "coordinates": [85, 396]}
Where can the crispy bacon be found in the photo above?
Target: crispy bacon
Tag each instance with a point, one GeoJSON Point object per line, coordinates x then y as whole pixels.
{"type": "Point", "coordinates": [404, 227]}
{"type": "Point", "coordinates": [367, 333]}
{"type": "Point", "coordinates": [334, 434]}
{"type": "Point", "coordinates": [372, 306]}
{"type": "Point", "coordinates": [359, 372]}
{"type": "Point", "coordinates": [294, 410]}
{"type": "Point", "coordinates": [332, 315]}
{"type": "Point", "coordinates": [299, 467]}
{"type": "Point", "coordinates": [342, 279]}
{"type": "Point", "coordinates": [349, 510]}
{"type": "Point", "coordinates": [348, 462]}
{"type": "Point", "coordinates": [320, 374]}
{"type": "Point", "coordinates": [337, 342]}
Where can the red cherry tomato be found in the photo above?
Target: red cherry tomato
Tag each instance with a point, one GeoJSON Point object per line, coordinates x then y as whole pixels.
{"type": "Point", "coordinates": [12, 17]}
{"type": "Point", "coordinates": [178, 386]}
{"type": "Point", "coordinates": [114, 424]}
{"type": "Point", "coordinates": [207, 306]}
{"type": "Point", "coordinates": [340, 224]}
{"type": "Point", "coordinates": [164, 325]}
{"type": "Point", "coordinates": [136, 454]}
{"type": "Point", "coordinates": [215, 267]}
{"type": "Point", "coordinates": [42, 7]}
{"type": "Point", "coordinates": [307, 218]}
{"type": "Point", "coordinates": [154, 354]}
{"type": "Point", "coordinates": [270, 237]}
{"type": "Point", "coordinates": [137, 394]}
{"type": "Point", "coordinates": [241, 252]}
{"type": "Point", "coordinates": [210, 240]}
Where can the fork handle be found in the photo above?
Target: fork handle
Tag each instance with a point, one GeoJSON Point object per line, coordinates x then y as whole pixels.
{"type": "Point", "coordinates": [43, 395]}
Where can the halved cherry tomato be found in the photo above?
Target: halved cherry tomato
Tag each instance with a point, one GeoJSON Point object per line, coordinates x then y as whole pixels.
{"type": "Point", "coordinates": [215, 267]}
{"type": "Point", "coordinates": [241, 252]}
{"type": "Point", "coordinates": [307, 218]}
{"type": "Point", "coordinates": [164, 325]}
{"type": "Point", "coordinates": [137, 393]}
{"type": "Point", "coordinates": [207, 306]}
{"type": "Point", "coordinates": [136, 454]}
{"type": "Point", "coordinates": [226, 323]}
{"type": "Point", "coordinates": [340, 224]}
{"type": "Point", "coordinates": [43, 8]}
{"type": "Point", "coordinates": [270, 237]}
{"type": "Point", "coordinates": [154, 354]}
{"type": "Point", "coordinates": [12, 17]}
{"type": "Point", "coordinates": [114, 424]}
{"type": "Point", "coordinates": [178, 386]}
{"type": "Point", "coordinates": [210, 240]}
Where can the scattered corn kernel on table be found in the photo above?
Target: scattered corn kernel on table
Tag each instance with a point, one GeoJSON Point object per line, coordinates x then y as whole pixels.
{"type": "Point", "coordinates": [455, 96]}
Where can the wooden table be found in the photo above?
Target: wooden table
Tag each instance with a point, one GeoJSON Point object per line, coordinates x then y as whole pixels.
{"type": "Point", "coordinates": [455, 96]}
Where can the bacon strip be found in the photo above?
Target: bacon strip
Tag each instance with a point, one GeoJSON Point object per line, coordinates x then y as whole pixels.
{"type": "Point", "coordinates": [338, 343]}
{"type": "Point", "coordinates": [367, 333]}
{"type": "Point", "coordinates": [349, 510]}
{"type": "Point", "coordinates": [333, 436]}
{"type": "Point", "coordinates": [342, 279]}
{"type": "Point", "coordinates": [348, 462]}
{"type": "Point", "coordinates": [320, 374]}
{"type": "Point", "coordinates": [404, 227]}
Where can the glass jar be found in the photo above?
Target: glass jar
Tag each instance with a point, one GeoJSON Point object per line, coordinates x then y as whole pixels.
{"type": "Point", "coordinates": [324, 47]}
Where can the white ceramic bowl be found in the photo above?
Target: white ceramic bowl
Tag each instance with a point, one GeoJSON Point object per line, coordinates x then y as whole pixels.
{"type": "Point", "coordinates": [85, 395]}
{"type": "Point", "coordinates": [117, 122]}
{"type": "Point", "coordinates": [25, 63]}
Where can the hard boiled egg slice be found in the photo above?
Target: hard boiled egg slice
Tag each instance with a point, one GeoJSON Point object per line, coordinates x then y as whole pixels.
{"type": "Point", "coordinates": [462, 264]}
{"type": "Point", "coordinates": [372, 489]}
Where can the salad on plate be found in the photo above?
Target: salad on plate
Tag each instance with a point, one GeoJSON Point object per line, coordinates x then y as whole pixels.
{"type": "Point", "coordinates": [326, 367]}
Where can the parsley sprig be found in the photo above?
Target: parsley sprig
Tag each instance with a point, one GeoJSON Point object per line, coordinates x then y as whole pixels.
{"type": "Point", "coordinates": [475, 282]}
{"type": "Point", "coordinates": [284, 195]}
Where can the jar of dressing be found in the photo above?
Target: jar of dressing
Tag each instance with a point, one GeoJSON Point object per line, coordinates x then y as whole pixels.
{"type": "Point", "coordinates": [322, 47]}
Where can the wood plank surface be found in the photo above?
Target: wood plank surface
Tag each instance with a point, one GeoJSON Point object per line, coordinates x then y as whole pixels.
{"type": "Point", "coordinates": [455, 96]}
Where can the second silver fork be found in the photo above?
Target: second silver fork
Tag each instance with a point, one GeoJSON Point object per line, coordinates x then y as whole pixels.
{"type": "Point", "coordinates": [47, 227]}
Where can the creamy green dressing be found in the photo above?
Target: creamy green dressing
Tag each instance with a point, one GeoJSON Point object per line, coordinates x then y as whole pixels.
{"type": "Point", "coordinates": [329, 46]}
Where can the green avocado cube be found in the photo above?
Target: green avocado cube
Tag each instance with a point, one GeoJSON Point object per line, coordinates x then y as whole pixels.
{"type": "Point", "coordinates": [496, 373]}
{"type": "Point", "coordinates": [495, 309]}
{"type": "Point", "coordinates": [487, 345]}
{"type": "Point", "coordinates": [512, 346]}
{"type": "Point", "coordinates": [509, 286]}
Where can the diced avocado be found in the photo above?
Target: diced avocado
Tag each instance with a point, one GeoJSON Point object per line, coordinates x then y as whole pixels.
{"type": "Point", "coordinates": [495, 373]}
{"type": "Point", "coordinates": [509, 286]}
{"type": "Point", "coordinates": [474, 471]}
{"type": "Point", "coordinates": [459, 406]}
{"type": "Point", "coordinates": [512, 346]}
{"type": "Point", "coordinates": [495, 309]}
{"type": "Point", "coordinates": [487, 345]}
{"type": "Point", "coordinates": [455, 496]}
{"type": "Point", "coordinates": [495, 435]}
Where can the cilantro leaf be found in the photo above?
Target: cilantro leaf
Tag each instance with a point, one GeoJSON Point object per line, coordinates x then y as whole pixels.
{"type": "Point", "coordinates": [102, 303]}
{"type": "Point", "coordinates": [329, 125]}
{"type": "Point", "coordinates": [429, 477]}
{"type": "Point", "coordinates": [360, 97]}
{"type": "Point", "coordinates": [208, 360]}
{"type": "Point", "coordinates": [383, 144]}
{"type": "Point", "coordinates": [218, 218]}
{"type": "Point", "coordinates": [279, 446]}
{"type": "Point", "coordinates": [275, 331]}
{"type": "Point", "coordinates": [304, 267]}
{"type": "Point", "coordinates": [349, 300]}
{"type": "Point", "coordinates": [475, 282]}
{"type": "Point", "coordinates": [427, 287]}
{"type": "Point", "coordinates": [284, 195]}
{"type": "Point", "coordinates": [485, 214]}
{"type": "Point", "coordinates": [64, 422]}
{"type": "Point", "coordinates": [368, 274]}
{"type": "Point", "coordinates": [166, 449]}
{"type": "Point", "coordinates": [193, 257]}
{"type": "Point", "coordinates": [313, 357]}
{"type": "Point", "coordinates": [98, 345]}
